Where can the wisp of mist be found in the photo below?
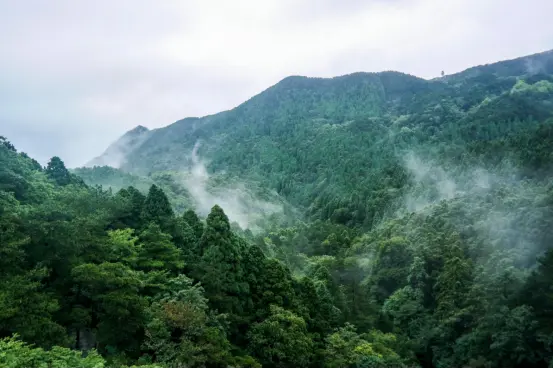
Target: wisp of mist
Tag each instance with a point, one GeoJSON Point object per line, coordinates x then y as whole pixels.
{"type": "Point", "coordinates": [239, 203]}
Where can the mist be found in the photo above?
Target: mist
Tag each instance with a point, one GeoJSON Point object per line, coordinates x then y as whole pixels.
{"type": "Point", "coordinates": [494, 210]}
{"type": "Point", "coordinates": [496, 214]}
{"type": "Point", "coordinates": [238, 201]}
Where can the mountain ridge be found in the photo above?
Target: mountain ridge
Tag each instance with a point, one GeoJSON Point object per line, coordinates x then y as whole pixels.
{"type": "Point", "coordinates": [362, 123]}
{"type": "Point", "coordinates": [462, 73]}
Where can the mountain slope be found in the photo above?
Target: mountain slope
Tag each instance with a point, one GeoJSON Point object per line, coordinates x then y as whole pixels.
{"type": "Point", "coordinates": [336, 147]}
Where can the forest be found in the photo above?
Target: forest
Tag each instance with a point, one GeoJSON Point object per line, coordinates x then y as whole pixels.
{"type": "Point", "coordinates": [415, 231]}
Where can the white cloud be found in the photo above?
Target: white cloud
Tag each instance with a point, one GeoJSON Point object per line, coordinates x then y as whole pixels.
{"type": "Point", "coordinates": [97, 69]}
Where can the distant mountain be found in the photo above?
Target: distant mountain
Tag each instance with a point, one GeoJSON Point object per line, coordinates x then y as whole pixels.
{"type": "Point", "coordinates": [116, 154]}
{"type": "Point", "coordinates": [336, 147]}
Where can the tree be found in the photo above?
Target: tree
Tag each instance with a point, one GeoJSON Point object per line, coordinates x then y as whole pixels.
{"type": "Point", "coordinates": [12, 236]}
{"type": "Point", "coordinates": [132, 207]}
{"type": "Point", "coordinates": [26, 308]}
{"type": "Point", "coordinates": [157, 252]}
{"type": "Point", "coordinates": [273, 286]}
{"type": "Point", "coordinates": [186, 241]}
{"type": "Point", "coordinates": [116, 305]}
{"type": "Point", "coordinates": [347, 349]}
{"type": "Point", "coordinates": [191, 218]}
{"type": "Point", "coordinates": [157, 208]}
{"type": "Point", "coordinates": [57, 171]}
{"type": "Point", "coordinates": [281, 340]}
{"type": "Point", "coordinates": [123, 246]}
{"type": "Point", "coordinates": [222, 273]}
{"type": "Point", "coordinates": [18, 354]}
{"type": "Point", "coordinates": [181, 332]}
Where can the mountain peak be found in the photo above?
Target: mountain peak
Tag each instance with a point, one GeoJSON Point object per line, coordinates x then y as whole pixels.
{"type": "Point", "coordinates": [138, 129]}
{"type": "Point", "coordinates": [116, 153]}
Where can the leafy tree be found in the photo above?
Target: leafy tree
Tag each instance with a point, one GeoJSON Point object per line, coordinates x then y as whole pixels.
{"type": "Point", "coordinates": [281, 340]}
{"type": "Point", "coordinates": [57, 171]}
{"type": "Point", "coordinates": [26, 308]}
{"type": "Point", "coordinates": [113, 293]}
{"type": "Point", "coordinates": [133, 202]}
{"type": "Point", "coordinates": [347, 349]}
{"type": "Point", "coordinates": [17, 354]}
{"type": "Point", "coordinates": [186, 241]}
{"type": "Point", "coordinates": [181, 330]}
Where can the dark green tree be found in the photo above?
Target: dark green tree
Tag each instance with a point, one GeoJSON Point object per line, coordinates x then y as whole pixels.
{"type": "Point", "coordinates": [221, 266]}
{"type": "Point", "coordinates": [281, 340]}
{"type": "Point", "coordinates": [157, 251]}
{"type": "Point", "coordinates": [157, 209]}
{"type": "Point", "coordinates": [131, 207]}
{"type": "Point", "coordinates": [194, 222]}
{"type": "Point", "coordinates": [117, 308]}
{"type": "Point", "coordinates": [57, 171]}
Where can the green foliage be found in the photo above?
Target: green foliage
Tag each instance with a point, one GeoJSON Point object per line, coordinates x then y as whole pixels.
{"type": "Point", "coordinates": [57, 171]}
{"type": "Point", "coordinates": [181, 332]}
{"type": "Point", "coordinates": [27, 309]}
{"type": "Point", "coordinates": [17, 354]}
{"type": "Point", "coordinates": [221, 266]}
{"type": "Point", "coordinates": [347, 349]}
{"type": "Point", "coordinates": [157, 251]}
{"type": "Point", "coordinates": [112, 292]}
{"type": "Point", "coordinates": [7, 144]}
{"type": "Point", "coordinates": [191, 218]}
{"type": "Point", "coordinates": [281, 340]}
{"type": "Point", "coordinates": [157, 208]}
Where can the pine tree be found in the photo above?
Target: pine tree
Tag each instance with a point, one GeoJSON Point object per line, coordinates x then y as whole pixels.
{"type": "Point", "coordinates": [157, 208]}
{"type": "Point", "coordinates": [194, 222]}
{"type": "Point", "coordinates": [157, 252]}
{"type": "Point", "coordinates": [221, 269]}
{"type": "Point", "coordinates": [132, 202]}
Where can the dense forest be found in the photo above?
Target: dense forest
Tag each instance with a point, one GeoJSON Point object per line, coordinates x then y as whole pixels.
{"type": "Point", "coordinates": [409, 226]}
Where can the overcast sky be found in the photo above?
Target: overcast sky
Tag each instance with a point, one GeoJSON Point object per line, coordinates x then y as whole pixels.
{"type": "Point", "coordinates": [75, 75]}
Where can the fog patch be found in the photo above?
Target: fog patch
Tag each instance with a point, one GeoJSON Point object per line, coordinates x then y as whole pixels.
{"type": "Point", "coordinates": [497, 212]}
{"type": "Point", "coordinates": [433, 183]}
{"type": "Point", "coordinates": [534, 66]}
{"type": "Point", "coordinates": [238, 201]}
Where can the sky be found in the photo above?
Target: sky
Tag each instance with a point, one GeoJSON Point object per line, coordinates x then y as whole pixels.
{"type": "Point", "coordinates": [76, 75]}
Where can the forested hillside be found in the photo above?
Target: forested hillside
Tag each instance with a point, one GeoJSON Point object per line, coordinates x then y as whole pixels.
{"type": "Point", "coordinates": [336, 148]}
{"type": "Point", "coordinates": [370, 220]}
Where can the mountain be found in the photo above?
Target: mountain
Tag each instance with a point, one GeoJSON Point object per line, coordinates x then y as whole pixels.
{"type": "Point", "coordinates": [336, 147]}
{"type": "Point", "coordinates": [116, 154]}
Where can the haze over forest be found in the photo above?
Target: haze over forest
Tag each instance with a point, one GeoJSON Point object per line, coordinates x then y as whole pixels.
{"type": "Point", "coordinates": [198, 202]}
